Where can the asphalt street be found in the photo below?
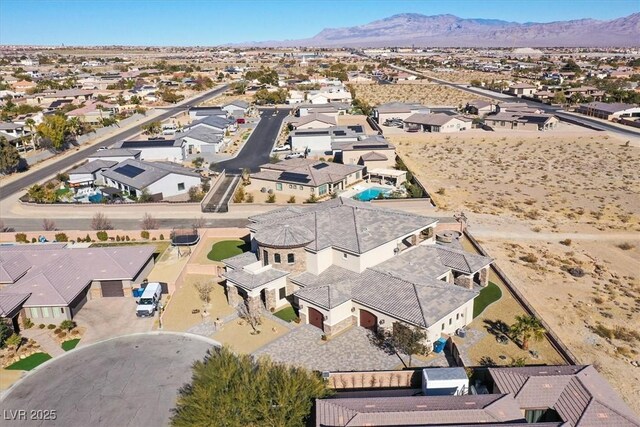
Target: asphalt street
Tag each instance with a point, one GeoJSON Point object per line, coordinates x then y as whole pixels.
{"type": "Point", "coordinates": [76, 157]}
{"type": "Point", "coordinates": [257, 150]}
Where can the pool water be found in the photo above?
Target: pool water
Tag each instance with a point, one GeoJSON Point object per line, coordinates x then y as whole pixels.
{"type": "Point", "coordinates": [96, 198]}
{"type": "Point", "coordinates": [371, 193]}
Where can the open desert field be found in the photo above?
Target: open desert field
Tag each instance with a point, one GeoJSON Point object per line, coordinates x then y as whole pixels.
{"type": "Point", "coordinates": [421, 91]}
{"type": "Point", "coordinates": [465, 76]}
{"type": "Point", "coordinates": [560, 213]}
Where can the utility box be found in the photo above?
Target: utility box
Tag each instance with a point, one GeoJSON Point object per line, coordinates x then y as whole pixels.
{"type": "Point", "coordinates": [444, 382]}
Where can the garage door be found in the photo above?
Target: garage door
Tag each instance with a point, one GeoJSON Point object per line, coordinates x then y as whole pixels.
{"type": "Point", "coordinates": [112, 288]}
{"type": "Point", "coordinates": [316, 318]}
{"type": "Point", "coordinates": [368, 320]}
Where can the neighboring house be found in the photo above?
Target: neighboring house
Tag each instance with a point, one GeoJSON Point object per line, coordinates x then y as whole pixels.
{"type": "Point", "coordinates": [480, 107]}
{"type": "Point", "coordinates": [10, 307]}
{"type": "Point", "coordinates": [438, 122]}
{"type": "Point", "coordinates": [213, 123]}
{"type": "Point", "coordinates": [295, 97]}
{"type": "Point", "coordinates": [23, 86]}
{"type": "Point", "coordinates": [314, 121]}
{"type": "Point", "coordinates": [305, 177]}
{"type": "Point", "coordinates": [12, 131]}
{"type": "Point", "coordinates": [517, 107]}
{"type": "Point", "coordinates": [94, 112]}
{"type": "Point", "coordinates": [202, 140]}
{"type": "Point", "coordinates": [235, 107]}
{"type": "Point", "coordinates": [172, 150]}
{"type": "Point", "coordinates": [321, 140]}
{"type": "Point", "coordinates": [60, 280]}
{"type": "Point", "coordinates": [329, 94]}
{"type": "Point", "coordinates": [549, 396]}
{"type": "Point", "coordinates": [398, 110]}
{"type": "Point", "coordinates": [522, 89]}
{"type": "Point", "coordinates": [351, 263]}
{"type": "Point", "coordinates": [90, 173]}
{"type": "Point", "coordinates": [602, 110]}
{"type": "Point", "coordinates": [521, 121]}
{"type": "Point", "coordinates": [160, 179]}
{"type": "Point", "coordinates": [586, 92]}
{"type": "Point", "coordinates": [115, 154]}
{"type": "Point", "coordinates": [76, 96]}
{"type": "Point", "coordinates": [332, 109]}
{"type": "Point", "coordinates": [196, 113]}
{"type": "Point", "coordinates": [373, 152]}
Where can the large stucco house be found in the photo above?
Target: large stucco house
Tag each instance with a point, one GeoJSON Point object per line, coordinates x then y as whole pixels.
{"type": "Point", "coordinates": [343, 263]}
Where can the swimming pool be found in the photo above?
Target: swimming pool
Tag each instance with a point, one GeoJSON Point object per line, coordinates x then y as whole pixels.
{"type": "Point", "coordinates": [371, 193]}
{"type": "Point", "coordinates": [95, 198]}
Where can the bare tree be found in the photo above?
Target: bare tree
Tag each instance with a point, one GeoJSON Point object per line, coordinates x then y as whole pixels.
{"type": "Point", "coordinates": [204, 291]}
{"type": "Point", "coordinates": [149, 222]}
{"type": "Point", "coordinates": [48, 224]}
{"type": "Point", "coordinates": [199, 222]}
{"type": "Point", "coordinates": [100, 222]}
{"type": "Point", "coordinates": [2, 226]}
{"type": "Point", "coordinates": [253, 318]}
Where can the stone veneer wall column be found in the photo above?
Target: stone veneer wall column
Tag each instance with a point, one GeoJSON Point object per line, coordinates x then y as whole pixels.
{"type": "Point", "coordinates": [484, 276]}
{"type": "Point", "coordinates": [464, 281]}
{"type": "Point", "coordinates": [330, 330]}
{"type": "Point", "coordinates": [232, 296]}
{"type": "Point", "coordinates": [270, 296]}
{"type": "Point", "coordinates": [254, 304]}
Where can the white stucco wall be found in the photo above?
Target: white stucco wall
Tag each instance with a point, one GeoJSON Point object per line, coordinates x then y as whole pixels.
{"type": "Point", "coordinates": [464, 316]}
{"type": "Point", "coordinates": [172, 154]}
{"type": "Point", "coordinates": [319, 261]}
{"type": "Point", "coordinates": [314, 143]}
{"type": "Point", "coordinates": [168, 185]}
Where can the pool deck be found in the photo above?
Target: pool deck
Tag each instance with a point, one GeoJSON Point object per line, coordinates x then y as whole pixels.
{"type": "Point", "coordinates": [359, 188]}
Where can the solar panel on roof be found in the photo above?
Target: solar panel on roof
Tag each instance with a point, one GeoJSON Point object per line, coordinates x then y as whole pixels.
{"type": "Point", "coordinates": [356, 128]}
{"type": "Point", "coordinates": [369, 146]}
{"type": "Point", "coordinates": [148, 144]}
{"type": "Point", "coordinates": [321, 132]}
{"type": "Point", "coordinates": [339, 133]}
{"type": "Point", "coordinates": [320, 166]}
{"type": "Point", "coordinates": [295, 177]}
{"type": "Point", "coordinates": [129, 171]}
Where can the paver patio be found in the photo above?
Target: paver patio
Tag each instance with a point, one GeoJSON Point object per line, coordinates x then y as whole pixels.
{"type": "Point", "coordinates": [350, 351]}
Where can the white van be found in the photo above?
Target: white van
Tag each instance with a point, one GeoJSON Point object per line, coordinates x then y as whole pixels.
{"type": "Point", "coordinates": [148, 303]}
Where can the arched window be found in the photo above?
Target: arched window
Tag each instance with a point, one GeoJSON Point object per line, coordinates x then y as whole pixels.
{"type": "Point", "coordinates": [291, 258]}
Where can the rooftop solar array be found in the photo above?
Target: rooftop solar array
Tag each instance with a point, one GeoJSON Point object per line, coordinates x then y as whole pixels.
{"type": "Point", "coordinates": [320, 166]}
{"type": "Point", "coordinates": [129, 171]}
{"type": "Point", "coordinates": [295, 177]}
{"type": "Point", "coordinates": [148, 144]}
{"type": "Point", "coordinates": [356, 128]}
{"type": "Point", "coordinates": [370, 146]}
{"type": "Point", "coordinates": [339, 133]}
{"type": "Point", "coordinates": [314, 132]}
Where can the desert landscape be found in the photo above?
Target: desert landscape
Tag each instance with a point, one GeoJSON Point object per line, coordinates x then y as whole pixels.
{"type": "Point", "coordinates": [560, 212]}
{"type": "Point", "coordinates": [421, 91]}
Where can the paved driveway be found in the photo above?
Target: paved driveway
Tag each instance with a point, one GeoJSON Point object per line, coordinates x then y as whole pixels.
{"type": "Point", "coordinates": [106, 318]}
{"type": "Point", "coordinates": [127, 381]}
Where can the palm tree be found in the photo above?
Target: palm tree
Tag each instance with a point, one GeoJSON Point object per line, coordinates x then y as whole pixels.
{"type": "Point", "coordinates": [75, 126]}
{"type": "Point", "coordinates": [527, 328]}
{"type": "Point", "coordinates": [31, 124]}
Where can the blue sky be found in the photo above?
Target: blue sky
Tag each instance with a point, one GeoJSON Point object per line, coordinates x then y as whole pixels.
{"type": "Point", "coordinates": [210, 22]}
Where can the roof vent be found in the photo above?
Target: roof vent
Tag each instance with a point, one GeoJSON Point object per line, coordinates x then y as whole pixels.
{"type": "Point", "coordinates": [469, 403]}
{"type": "Point", "coordinates": [369, 406]}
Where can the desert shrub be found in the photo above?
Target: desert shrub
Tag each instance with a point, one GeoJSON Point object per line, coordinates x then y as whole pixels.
{"type": "Point", "coordinates": [239, 196]}
{"type": "Point", "coordinates": [574, 271]}
{"type": "Point", "coordinates": [127, 238]}
{"type": "Point", "coordinates": [530, 258]}
{"type": "Point", "coordinates": [566, 242]}
{"type": "Point", "coordinates": [57, 330]}
{"type": "Point", "coordinates": [312, 199]}
{"type": "Point", "coordinates": [87, 238]}
{"type": "Point", "coordinates": [249, 198]}
{"type": "Point", "coordinates": [626, 246]}
{"type": "Point", "coordinates": [117, 238]}
{"type": "Point", "coordinates": [51, 326]}
{"type": "Point", "coordinates": [102, 236]}
{"type": "Point", "coordinates": [61, 237]}
{"type": "Point", "coordinates": [67, 324]}
{"type": "Point", "coordinates": [41, 326]}
{"type": "Point", "coordinates": [161, 237]}
{"type": "Point", "coordinates": [61, 334]}
{"type": "Point", "coordinates": [625, 334]}
{"type": "Point", "coordinates": [14, 340]}
{"type": "Point", "coordinates": [153, 239]}
{"type": "Point", "coordinates": [441, 191]}
{"type": "Point", "coordinates": [144, 234]}
{"type": "Point", "coordinates": [598, 300]}
{"type": "Point", "coordinates": [33, 240]}
{"type": "Point", "coordinates": [27, 323]}
{"type": "Point", "coordinates": [292, 199]}
{"type": "Point", "coordinates": [271, 198]}
{"type": "Point", "coordinates": [21, 238]}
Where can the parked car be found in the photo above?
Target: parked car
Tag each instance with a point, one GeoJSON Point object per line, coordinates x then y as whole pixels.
{"type": "Point", "coordinates": [102, 148]}
{"type": "Point", "coordinates": [282, 148]}
{"type": "Point", "coordinates": [148, 303]}
{"type": "Point", "coordinates": [240, 121]}
{"type": "Point", "coordinates": [294, 156]}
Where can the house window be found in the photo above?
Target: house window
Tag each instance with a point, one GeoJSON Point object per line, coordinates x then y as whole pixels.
{"type": "Point", "coordinates": [442, 328]}
{"type": "Point", "coordinates": [276, 258]}
{"type": "Point", "coordinates": [34, 312]}
{"type": "Point", "coordinates": [291, 258]}
{"type": "Point", "coordinates": [457, 316]}
{"type": "Point", "coordinates": [450, 320]}
{"type": "Point", "coordinates": [265, 257]}
{"type": "Point", "coordinates": [181, 186]}
{"type": "Point", "coordinates": [344, 256]}
{"type": "Point", "coordinates": [322, 189]}
{"type": "Point", "coordinates": [61, 311]}
{"type": "Point", "coordinates": [357, 175]}
{"type": "Point", "coordinates": [282, 293]}
{"type": "Point", "coordinates": [46, 312]}
{"type": "Point", "coordinates": [279, 186]}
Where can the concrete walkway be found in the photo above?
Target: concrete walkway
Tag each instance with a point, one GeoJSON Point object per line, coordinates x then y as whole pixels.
{"type": "Point", "coordinates": [44, 338]}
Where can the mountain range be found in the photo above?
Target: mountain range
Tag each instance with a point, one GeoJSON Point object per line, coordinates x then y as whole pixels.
{"type": "Point", "coordinates": [409, 29]}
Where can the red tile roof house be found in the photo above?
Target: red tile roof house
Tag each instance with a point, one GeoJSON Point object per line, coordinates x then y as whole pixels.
{"type": "Point", "coordinates": [59, 280]}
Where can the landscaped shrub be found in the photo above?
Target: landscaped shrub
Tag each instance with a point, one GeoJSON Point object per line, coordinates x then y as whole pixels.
{"type": "Point", "coordinates": [117, 238]}
{"type": "Point", "coordinates": [57, 330]}
{"type": "Point", "coordinates": [41, 326]}
{"type": "Point", "coordinates": [271, 198]}
{"type": "Point", "coordinates": [51, 326]}
{"type": "Point", "coordinates": [292, 199]}
{"type": "Point", "coordinates": [144, 234]}
{"type": "Point", "coordinates": [21, 238]}
{"type": "Point", "coordinates": [13, 341]}
{"type": "Point", "coordinates": [312, 199]}
{"type": "Point", "coordinates": [102, 236]}
{"type": "Point", "coordinates": [27, 323]}
{"type": "Point", "coordinates": [127, 238]}
{"type": "Point", "coordinates": [161, 237]}
{"type": "Point", "coordinates": [61, 237]}
{"type": "Point", "coordinates": [153, 239]}
{"type": "Point", "coordinates": [249, 198]}
{"type": "Point", "coordinates": [87, 238]}
{"type": "Point", "coordinates": [33, 240]}
{"type": "Point", "coordinates": [61, 334]}
{"type": "Point", "coordinates": [67, 324]}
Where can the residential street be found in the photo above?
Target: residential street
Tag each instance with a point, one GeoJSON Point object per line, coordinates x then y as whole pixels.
{"type": "Point", "coordinates": [69, 160]}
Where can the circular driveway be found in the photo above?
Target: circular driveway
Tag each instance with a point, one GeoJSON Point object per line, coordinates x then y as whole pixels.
{"type": "Point", "coordinates": [126, 381]}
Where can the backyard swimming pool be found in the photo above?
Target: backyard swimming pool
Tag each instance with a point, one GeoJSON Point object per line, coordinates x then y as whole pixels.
{"type": "Point", "coordinates": [371, 193]}
{"type": "Point", "coordinates": [95, 198]}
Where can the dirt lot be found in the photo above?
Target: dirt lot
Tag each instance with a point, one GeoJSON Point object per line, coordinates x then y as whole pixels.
{"type": "Point", "coordinates": [465, 76]}
{"type": "Point", "coordinates": [421, 91]}
{"type": "Point", "coordinates": [549, 207]}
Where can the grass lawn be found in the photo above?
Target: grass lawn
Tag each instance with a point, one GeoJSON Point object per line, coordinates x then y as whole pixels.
{"type": "Point", "coordinates": [227, 249]}
{"type": "Point", "coordinates": [30, 362]}
{"type": "Point", "coordinates": [70, 344]}
{"type": "Point", "coordinates": [62, 191]}
{"type": "Point", "coordinates": [488, 295]}
{"type": "Point", "coordinates": [287, 314]}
